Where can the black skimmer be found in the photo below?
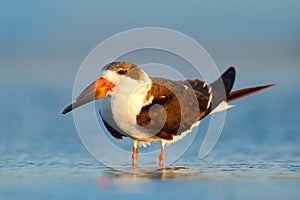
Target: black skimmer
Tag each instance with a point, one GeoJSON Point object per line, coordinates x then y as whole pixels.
{"type": "Point", "coordinates": [131, 94]}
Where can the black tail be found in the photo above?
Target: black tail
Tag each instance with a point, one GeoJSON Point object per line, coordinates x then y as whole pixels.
{"type": "Point", "coordinates": [228, 78]}
{"type": "Point", "coordinates": [222, 86]}
{"type": "Point", "coordinates": [220, 90]}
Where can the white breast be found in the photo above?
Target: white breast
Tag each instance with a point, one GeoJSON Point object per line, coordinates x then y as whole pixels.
{"type": "Point", "coordinates": [127, 100]}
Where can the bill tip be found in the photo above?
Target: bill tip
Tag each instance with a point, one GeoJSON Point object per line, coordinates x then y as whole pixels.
{"type": "Point", "coordinates": [66, 110]}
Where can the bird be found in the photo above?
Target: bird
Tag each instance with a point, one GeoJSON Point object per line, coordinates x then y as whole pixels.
{"type": "Point", "coordinates": [154, 109]}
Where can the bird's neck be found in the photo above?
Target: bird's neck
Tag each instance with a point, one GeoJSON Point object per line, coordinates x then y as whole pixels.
{"type": "Point", "coordinates": [128, 98]}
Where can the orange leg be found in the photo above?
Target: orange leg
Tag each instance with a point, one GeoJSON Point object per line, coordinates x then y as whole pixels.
{"type": "Point", "coordinates": [162, 155]}
{"type": "Point", "coordinates": [134, 154]}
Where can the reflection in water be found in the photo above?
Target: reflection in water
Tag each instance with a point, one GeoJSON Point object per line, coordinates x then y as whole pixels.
{"type": "Point", "coordinates": [218, 171]}
{"type": "Point", "coordinates": [167, 173]}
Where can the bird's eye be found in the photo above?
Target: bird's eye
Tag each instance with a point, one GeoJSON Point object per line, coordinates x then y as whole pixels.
{"type": "Point", "coordinates": [123, 72]}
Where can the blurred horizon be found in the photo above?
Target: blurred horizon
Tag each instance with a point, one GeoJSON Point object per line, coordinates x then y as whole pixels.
{"type": "Point", "coordinates": [56, 36]}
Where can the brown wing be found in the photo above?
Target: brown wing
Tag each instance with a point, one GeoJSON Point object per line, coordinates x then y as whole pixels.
{"type": "Point", "coordinates": [180, 107]}
{"type": "Point", "coordinates": [203, 92]}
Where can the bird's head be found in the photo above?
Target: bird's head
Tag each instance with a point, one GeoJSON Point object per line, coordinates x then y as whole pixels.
{"type": "Point", "coordinates": [110, 80]}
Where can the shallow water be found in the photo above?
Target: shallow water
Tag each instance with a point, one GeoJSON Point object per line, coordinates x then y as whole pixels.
{"type": "Point", "coordinates": [56, 178]}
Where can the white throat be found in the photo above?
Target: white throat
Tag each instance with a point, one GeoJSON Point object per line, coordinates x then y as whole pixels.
{"type": "Point", "coordinates": [127, 99]}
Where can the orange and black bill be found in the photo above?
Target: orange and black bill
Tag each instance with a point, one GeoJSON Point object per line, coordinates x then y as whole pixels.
{"type": "Point", "coordinates": [96, 90]}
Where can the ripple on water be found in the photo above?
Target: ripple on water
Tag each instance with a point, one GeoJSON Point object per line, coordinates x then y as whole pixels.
{"type": "Point", "coordinates": [90, 169]}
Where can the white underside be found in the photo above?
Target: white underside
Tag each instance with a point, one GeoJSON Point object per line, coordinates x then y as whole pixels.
{"type": "Point", "coordinates": [221, 107]}
{"type": "Point", "coordinates": [176, 138]}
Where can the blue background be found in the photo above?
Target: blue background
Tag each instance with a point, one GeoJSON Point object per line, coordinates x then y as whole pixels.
{"type": "Point", "coordinates": [42, 45]}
